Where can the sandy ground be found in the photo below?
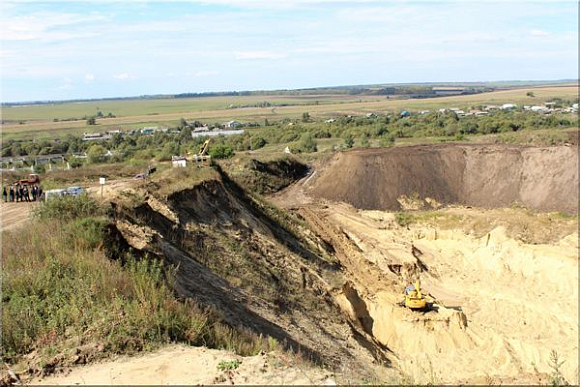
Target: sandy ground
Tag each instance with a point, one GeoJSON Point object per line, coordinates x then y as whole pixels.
{"type": "Point", "coordinates": [184, 365]}
{"type": "Point", "coordinates": [519, 301]}
{"type": "Point", "coordinates": [15, 214]}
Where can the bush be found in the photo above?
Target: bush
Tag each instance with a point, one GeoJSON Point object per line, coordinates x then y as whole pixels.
{"type": "Point", "coordinates": [96, 154]}
{"type": "Point", "coordinates": [404, 219]}
{"type": "Point", "coordinates": [365, 143]}
{"type": "Point", "coordinates": [75, 162]}
{"type": "Point", "coordinates": [221, 151]}
{"type": "Point", "coordinates": [68, 208]}
{"type": "Point", "coordinates": [387, 141]}
{"type": "Point", "coordinates": [306, 144]}
{"type": "Point", "coordinates": [348, 141]}
{"type": "Point", "coordinates": [258, 142]}
{"type": "Point", "coordinates": [38, 169]}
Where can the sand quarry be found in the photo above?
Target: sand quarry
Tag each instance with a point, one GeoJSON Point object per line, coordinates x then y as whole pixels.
{"type": "Point", "coordinates": [505, 304]}
{"type": "Point", "coordinates": [487, 239]}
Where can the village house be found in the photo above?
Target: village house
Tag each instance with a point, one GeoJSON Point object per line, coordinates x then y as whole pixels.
{"type": "Point", "coordinates": [95, 136]}
{"type": "Point", "coordinates": [205, 131]}
{"type": "Point", "coordinates": [232, 124]}
{"type": "Point", "coordinates": [178, 161]}
{"type": "Point", "coordinates": [508, 106]}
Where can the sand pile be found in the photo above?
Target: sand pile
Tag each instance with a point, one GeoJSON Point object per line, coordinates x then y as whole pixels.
{"type": "Point", "coordinates": [488, 176]}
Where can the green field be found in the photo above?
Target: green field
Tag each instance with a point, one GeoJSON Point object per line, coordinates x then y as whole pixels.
{"type": "Point", "coordinates": [36, 121]}
{"type": "Point", "coordinates": [153, 107]}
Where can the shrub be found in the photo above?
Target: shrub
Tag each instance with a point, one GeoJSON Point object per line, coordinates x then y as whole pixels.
{"type": "Point", "coordinates": [96, 154]}
{"type": "Point", "coordinates": [306, 144]}
{"type": "Point", "coordinates": [404, 219]}
{"type": "Point", "coordinates": [365, 143]}
{"type": "Point", "coordinates": [348, 140]}
{"type": "Point", "coordinates": [228, 365]}
{"type": "Point", "coordinates": [39, 169]}
{"type": "Point", "coordinates": [221, 151]}
{"type": "Point", "coordinates": [387, 141]}
{"type": "Point", "coordinates": [75, 162]}
{"type": "Point", "coordinates": [258, 142]}
{"type": "Point", "coordinates": [68, 208]}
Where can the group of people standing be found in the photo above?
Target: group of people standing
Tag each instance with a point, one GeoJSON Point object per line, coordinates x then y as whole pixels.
{"type": "Point", "coordinates": [21, 193]}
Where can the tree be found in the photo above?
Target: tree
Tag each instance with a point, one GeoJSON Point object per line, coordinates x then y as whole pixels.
{"type": "Point", "coordinates": [306, 144]}
{"type": "Point", "coordinates": [221, 151]}
{"type": "Point", "coordinates": [38, 169]}
{"type": "Point", "coordinates": [365, 141]}
{"type": "Point", "coordinates": [91, 121]}
{"type": "Point", "coordinates": [258, 142]}
{"type": "Point", "coordinates": [348, 140]}
{"type": "Point", "coordinates": [96, 154]}
{"type": "Point", "coordinates": [387, 141]}
{"type": "Point", "coordinates": [530, 94]}
{"type": "Point", "coordinates": [182, 123]}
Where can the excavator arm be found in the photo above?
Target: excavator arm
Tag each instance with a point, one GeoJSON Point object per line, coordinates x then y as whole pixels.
{"type": "Point", "coordinates": [204, 147]}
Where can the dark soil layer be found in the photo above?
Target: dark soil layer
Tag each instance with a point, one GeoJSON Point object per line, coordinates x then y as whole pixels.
{"type": "Point", "coordinates": [266, 176]}
{"type": "Point", "coordinates": [488, 176]}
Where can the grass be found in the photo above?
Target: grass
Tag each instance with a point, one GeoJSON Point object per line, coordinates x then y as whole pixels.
{"type": "Point", "coordinates": [226, 365]}
{"type": "Point", "coordinates": [63, 300]}
{"type": "Point", "coordinates": [521, 223]}
{"type": "Point", "coordinates": [164, 183]}
{"type": "Point", "coordinates": [556, 377]}
{"type": "Point", "coordinates": [135, 113]}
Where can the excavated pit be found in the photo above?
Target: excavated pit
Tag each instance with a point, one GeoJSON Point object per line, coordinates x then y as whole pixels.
{"type": "Point", "coordinates": [486, 176]}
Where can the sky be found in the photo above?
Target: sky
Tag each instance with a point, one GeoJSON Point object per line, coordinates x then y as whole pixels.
{"type": "Point", "coordinates": [95, 49]}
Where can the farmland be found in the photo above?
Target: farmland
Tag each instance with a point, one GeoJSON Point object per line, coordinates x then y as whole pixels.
{"type": "Point", "coordinates": [39, 121]}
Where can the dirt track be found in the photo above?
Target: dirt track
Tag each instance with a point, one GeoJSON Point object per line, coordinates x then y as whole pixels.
{"type": "Point", "coordinates": [488, 176]}
{"type": "Point", "coordinates": [15, 214]}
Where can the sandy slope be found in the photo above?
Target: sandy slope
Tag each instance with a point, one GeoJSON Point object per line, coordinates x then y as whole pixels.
{"type": "Point", "coordinates": [519, 301]}
{"type": "Point", "coordinates": [488, 176]}
{"type": "Point", "coordinates": [193, 366]}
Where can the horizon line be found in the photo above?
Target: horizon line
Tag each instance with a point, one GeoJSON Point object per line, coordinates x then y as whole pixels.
{"type": "Point", "coordinates": [539, 82]}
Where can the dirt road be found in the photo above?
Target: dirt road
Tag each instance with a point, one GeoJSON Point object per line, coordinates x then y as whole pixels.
{"type": "Point", "coordinates": [15, 214]}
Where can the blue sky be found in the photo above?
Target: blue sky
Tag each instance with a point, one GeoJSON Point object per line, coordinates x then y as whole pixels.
{"type": "Point", "coordinates": [90, 49]}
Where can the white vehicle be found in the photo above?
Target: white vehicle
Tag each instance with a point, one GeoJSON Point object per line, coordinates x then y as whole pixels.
{"type": "Point", "coordinates": [76, 190]}
{"type": "Point", "coordinates": [53, 193]}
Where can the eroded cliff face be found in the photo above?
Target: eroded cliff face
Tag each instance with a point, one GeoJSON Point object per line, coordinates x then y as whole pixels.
{"type": "Point", "coordinates": [259, 268]}
{"type": "Point", "coordinates": [487, 176]}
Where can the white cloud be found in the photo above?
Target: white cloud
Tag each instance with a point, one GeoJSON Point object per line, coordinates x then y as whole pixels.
{"type": "Point", "coordinates": [259, 55]}
{"type": "Point", "coordinates": [67, 84]}
{"type": "Point", "coordinates": [539, 33]}
{"type": "Point", "coordinates": [89, 77]}
{"type": "Point", "coordinates": [44, 26]}
{"type": "Point", "coordinates": [123, 76]}
{"type": "Point", "coordinates": [206, 73]}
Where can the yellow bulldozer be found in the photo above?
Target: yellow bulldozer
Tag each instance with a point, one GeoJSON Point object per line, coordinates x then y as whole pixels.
{"type": "Point", "coordinates": [414, 299]}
